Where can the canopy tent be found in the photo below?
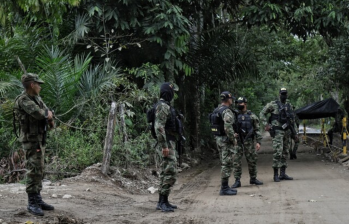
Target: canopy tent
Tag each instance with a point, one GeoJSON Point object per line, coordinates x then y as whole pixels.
{"type": "Point", "coordinates": [320, 109]}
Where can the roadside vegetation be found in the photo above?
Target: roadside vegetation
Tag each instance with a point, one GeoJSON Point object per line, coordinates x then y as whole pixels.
{"type": "Point", "coordinates": [93, 52]}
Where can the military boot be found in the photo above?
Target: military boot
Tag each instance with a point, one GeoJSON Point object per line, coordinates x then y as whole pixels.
{"type": "Point", "coordinates": [42, 204]}
{"type": "Point", "coordinates": [255, 181]}
{"type": "Point", "coordinates": [164, 205]}
{"type": "Point", "coordinates": [283, 175]}
{"type": "Point", "coordinates": [226, 190]}
{"type": "Point", "coordinates": [276, 175]}
{"type": "Point", "coordinates": [33, 207]}
{"type": "Point", "coordinates": [237, 183]}
{"type": "Point", "coordinates": [159, 202]}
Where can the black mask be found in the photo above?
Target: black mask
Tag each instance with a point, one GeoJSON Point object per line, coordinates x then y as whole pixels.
{"type": "Point", "coordinates": [241, 107]}
{"type": "Point", "coordinates": [283, 98]}
{"type": "Point", "coordinates": [166, 92]}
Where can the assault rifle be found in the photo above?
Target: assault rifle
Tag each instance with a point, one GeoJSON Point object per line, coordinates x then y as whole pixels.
{"type": "Point", "coordinates": [182, 139]}
{"type": "Point", "coordinates": [290, 124]}
{"type": "Point", "coordinates": [44, 135]}
{"type": "Point", "coordinates": [237, 129]}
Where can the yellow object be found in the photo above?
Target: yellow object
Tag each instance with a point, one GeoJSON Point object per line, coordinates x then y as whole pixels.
{"type": "Point", "coordinates": [323, 135]}
{"type": "Point", "coordinates": [344, 135]}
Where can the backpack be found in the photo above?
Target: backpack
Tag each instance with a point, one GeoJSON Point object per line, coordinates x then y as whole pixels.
{"type": "Point", "coordinates": [216, 121]}
{"type": "Point", "coordinates": [151, 120]}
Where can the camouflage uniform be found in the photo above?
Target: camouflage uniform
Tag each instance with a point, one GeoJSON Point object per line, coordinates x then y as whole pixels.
{"type": "Point", "coordinates": [281, 141]}
{"type": "Point", "coordinates": [226, 144]}
{"type": "Point", "coordinates": [249, 150]}
{"type": "Point", "coordinates": [165, 140]}
{"type": "Point", "coordinates": [30, 111]}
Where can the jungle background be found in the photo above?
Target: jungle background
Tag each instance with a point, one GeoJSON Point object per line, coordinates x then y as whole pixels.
{"type": "Point", "coordinates": [93, 52]}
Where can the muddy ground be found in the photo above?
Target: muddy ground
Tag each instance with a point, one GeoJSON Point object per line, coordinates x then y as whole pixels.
{"type": "Point", "coordinates": [318, 194]}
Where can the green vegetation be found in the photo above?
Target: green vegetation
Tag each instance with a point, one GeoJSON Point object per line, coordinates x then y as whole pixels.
{"type": "Point", "coordinates": [93, 52]}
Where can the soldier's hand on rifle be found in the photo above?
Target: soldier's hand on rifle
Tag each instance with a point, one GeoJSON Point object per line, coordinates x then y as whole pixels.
{"type": "Point", "coordinates": [165, 152]}
{"type": "Point", "coordinates": [267, 127]}
{"type": "Point", "coordinates": [258, 146]}
{"type": "Point", "coordinates": [236, 135]}
{"type": "Point", "coordinates": [49, 115]}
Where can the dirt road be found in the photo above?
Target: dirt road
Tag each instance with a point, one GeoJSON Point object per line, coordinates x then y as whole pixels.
{"type": "Point", "coordinates": [318, 194]}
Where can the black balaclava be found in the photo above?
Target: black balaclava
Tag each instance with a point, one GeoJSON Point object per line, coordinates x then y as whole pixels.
{"type": "Point", "coordinates": [283, 98]}
{"type": "Point", "coordinates": [166, 91]}
{"type": "Point", "coordinates": [241, 107]}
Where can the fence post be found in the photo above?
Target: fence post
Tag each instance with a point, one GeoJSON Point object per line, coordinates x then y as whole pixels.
{"type": "Point", "coordinates": [108, 142]}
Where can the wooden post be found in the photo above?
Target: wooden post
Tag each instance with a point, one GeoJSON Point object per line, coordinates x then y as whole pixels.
{"type": "Point", "coordinates": [108, 143]}
{"type": "Point", "coordinates": [124, 132]}
{"type": "Point", "coordinates": [123, 124]}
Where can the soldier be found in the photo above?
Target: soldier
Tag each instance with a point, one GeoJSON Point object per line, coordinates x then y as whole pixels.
{"type": "Point", "coordinates": [165, 129]}
{"type": "Point", "coordinates": [222, 120]}
{"type": "Point", "coordinates": [34, 116]}
{"type": "Point", "coordinates": [337, 125]}
{"type": "Point", "coordinates": [249, 142]}
{"type": "Point", "coordinates": [283, 128]}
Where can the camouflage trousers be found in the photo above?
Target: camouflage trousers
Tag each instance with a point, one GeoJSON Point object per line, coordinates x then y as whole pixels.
{"type": "Point", "coordinates": [226, 151]}
{"type": "Point", "coordinates": [168, 170]}
{"type": "Point", "coordinates": [34, 155]}
{"type": "Point", "coordinates": [281, 147]}
{"type": "Point", "coordinates": [251, 157]}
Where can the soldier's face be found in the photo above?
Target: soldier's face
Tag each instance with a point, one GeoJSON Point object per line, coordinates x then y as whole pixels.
{"type": "Point", "coordinates": [36, 88]}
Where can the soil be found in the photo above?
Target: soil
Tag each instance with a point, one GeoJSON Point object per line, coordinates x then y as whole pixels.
{"type": "Point", "coordinates": [318, 194]}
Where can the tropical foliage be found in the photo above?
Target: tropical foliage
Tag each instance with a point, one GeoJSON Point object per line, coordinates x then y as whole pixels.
{"type": "Point", "coordinates": [93, 52]}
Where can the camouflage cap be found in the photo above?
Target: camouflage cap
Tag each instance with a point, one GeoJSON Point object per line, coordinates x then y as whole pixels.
{"type": "Point", "coordinates": [283, 91]}
{"type": "Point", "coordinates": [31, 77]}
{"type": "Point", "coordinates": [241, 100]}
{"type": "Point", "coordinates": [226, 95]}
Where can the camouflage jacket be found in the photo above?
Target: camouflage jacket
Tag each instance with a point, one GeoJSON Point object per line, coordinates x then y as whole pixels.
{"type": "Point", "coordinates": [162, 114]}
{"type": "Point", "coordinates": [229, 119]}
{"type": "Point", "coordinates": [30, 112]}
{"type": "Point", "coordinates": [256, 126]}
{"type": "Point", "coordinates": [273, 108]}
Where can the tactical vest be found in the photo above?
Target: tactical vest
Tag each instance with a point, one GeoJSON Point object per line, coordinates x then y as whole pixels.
{"type": "Point", "coordinates": [285, 112]}
{"type": "Point", "coordinates": [29, 127]}
{"type": "Point", "coordinates": [245, 124]}
{"type": "Point", "coordinates": [216, 121]}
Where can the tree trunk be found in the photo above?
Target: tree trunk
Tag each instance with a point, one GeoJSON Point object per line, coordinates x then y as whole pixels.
{"type": "Point", "coordinates": [108, 143]}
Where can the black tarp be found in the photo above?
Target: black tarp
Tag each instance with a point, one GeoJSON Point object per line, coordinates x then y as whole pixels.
{"type": "Point", "coordinates": [320, 109]}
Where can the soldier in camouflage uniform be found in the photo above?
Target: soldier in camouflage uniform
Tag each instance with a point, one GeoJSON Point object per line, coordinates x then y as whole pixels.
{"type": "Point", "coordinates": [249, 142]}
{"type": "Point", "coordinates": [280, 132]}
{"type": "Point", "coordinates": [165, 129]}
{"type": "Point", "coordinates": [32, 113]}
{"type": "Point", "coordinates": [337, 125]}
{"type": "Point", "coordinates": [226, 142]}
